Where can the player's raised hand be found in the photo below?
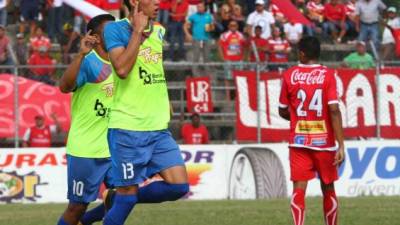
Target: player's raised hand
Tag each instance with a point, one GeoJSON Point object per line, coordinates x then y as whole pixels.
{"type": "Point", "coordinates": [139, 20]}
{"type": "Point", "coordinates": [88, 42]}
{"type": "Point", "coordinates": [339, 157]}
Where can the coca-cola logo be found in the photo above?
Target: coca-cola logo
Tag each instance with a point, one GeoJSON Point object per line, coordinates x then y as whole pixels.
{"type": "Point", "coordinates": [316, 76]}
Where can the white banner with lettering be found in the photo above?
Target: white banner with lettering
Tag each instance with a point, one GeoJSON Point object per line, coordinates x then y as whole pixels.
{"type": "Point", "coordinates": [215, 172]}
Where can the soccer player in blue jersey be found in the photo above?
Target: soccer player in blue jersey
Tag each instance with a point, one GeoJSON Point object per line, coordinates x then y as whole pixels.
{"type": "Point", "coordinates": [88, 158]}
{"type": "Point", "coordinates": [139, 142]}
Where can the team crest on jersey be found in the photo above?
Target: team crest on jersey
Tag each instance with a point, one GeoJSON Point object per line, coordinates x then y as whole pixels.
{"type": "Point", "coordinates": [150, 56]}
{"type": "Point", "coordinates": [108, 89]}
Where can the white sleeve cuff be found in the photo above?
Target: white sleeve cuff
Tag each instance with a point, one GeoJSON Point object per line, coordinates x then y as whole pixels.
{"type": "Point", "coordinates": [282, 105]}
{"type": "Point", "coordinates": [333, 102]}
{"type": "Point", "coordinates": [27, 135]}
{"type": "Point", "coordinates": [53, 128]}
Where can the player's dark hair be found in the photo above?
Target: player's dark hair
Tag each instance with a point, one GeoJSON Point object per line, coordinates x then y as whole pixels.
{"type": "Point", "coordinates": [128, 4]}
{"type": "Point", "coordinates": [95, 22]}
{"type": "Point", "coordinates": [258, 27]}
{"type": "Point", "coordinates": [310, 46]}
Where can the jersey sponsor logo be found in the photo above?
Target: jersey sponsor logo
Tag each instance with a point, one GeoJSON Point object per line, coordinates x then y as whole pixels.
{"type": "Point", "coordinates": [316, 76]}
{"type": "Point", "coordinates": [311, 140]}
{"type": "Point", "coordinates": [319, 140]}
{"type": "Point", "coordinates": [100, 109]}
{"type": "Point", "coordinates": [149, 55]}
{"type": "Point", "coordinates": [300, 139]}
{"type": "Point", "coordinates": [311, 127]}
{"type": "Point", "coordinates": [14, 187]}
{"type": "Point", "coordinates": [149, 78]}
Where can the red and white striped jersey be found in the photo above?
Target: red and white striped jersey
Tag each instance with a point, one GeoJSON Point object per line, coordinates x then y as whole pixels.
{"type": "Point", "coordinates": [279, 44]}
{"type": "Point", "coordinates": [350, 8]}
{"type": "Point", "coordinates": [315, 8]}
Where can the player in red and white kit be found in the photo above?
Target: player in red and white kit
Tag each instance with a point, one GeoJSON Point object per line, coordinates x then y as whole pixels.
{"type": "Point", "coordinates": [309, 100]}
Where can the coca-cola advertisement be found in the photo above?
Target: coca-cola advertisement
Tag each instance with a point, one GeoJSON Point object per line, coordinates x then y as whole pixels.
{"type": "Point", "coordinates": [357, 91]}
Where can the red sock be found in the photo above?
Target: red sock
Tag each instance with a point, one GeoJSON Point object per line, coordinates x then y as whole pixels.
{"type": "Point", "coordinates": [298, 206]}
{"type": "Point", "coordinates": [330, 207]}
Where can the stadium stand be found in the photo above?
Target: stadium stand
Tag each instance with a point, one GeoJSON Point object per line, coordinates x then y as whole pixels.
{"type": "Point", "coordinates": [62, 26]}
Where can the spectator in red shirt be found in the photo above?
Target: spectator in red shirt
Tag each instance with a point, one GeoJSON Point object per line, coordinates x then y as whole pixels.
{"type": "Point", "coordinates": [279, 49]}
{"type": "Point", "coordinates": [39, 40]}
{"type": "Point", "coordinates": [40, 134]}
{"type": "Point", "coordinates": [195, 132]}
{"type": "Point", "coordinates": [42, 58]}
{"type": "Point", "coordinates": [231, 44]}
{"type": "Point", "coordinates": [335, 20]}
{"type": "Point", "coordinates": [315, 13]}
{"type": "Point", "coordinates": [179, 10]}
{"type": "Point", "coordinates": [231, 50]}
{"type": "Point", "coordinates": [163, 12]}
{"type": "Point", "coordinates": [261, 45]}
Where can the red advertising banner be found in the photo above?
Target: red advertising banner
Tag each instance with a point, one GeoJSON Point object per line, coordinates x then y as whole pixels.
{"type": "Point", "coordinates": [396, 35]}
{"type": "Point", "coordinates": [198, 95]}
{"type": "Point", "coordinates": [33, 98]}
{"type": "Point", "coordinates": [358, 91]}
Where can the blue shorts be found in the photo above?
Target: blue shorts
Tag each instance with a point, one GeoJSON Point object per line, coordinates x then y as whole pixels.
{"type": "Point", "coordinates": [137, 155]}
{"type": "Point", "coordinates": [85, 176]}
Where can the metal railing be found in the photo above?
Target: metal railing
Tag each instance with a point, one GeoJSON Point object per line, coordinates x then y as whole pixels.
{"type": "Point", "coordinates": [224, 115]}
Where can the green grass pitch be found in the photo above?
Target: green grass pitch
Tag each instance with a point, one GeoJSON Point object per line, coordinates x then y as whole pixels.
{"type": "Point", "coordinates": [353, 211]}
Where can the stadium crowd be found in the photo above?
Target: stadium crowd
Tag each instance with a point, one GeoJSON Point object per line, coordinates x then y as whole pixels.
{"type": "Point", "coordinates": [232, 25]}
{"type": "Point", "coordinates": [48, 32]}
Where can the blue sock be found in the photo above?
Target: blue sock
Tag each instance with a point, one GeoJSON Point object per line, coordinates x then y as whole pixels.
{"type": "Point", "coordinates": [94, 215]}
{"type": "Point", "coordinates": [123, 205]}
{"type": "Point", "coordinates": [160, 191]}
{"type": "Point", "coordinates": [61, 221]}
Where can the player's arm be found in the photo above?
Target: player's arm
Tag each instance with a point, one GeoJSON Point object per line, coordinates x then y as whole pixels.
{"type": "Point", "coordinates": [284, 102]}
{"type": "Point", "coordinates": [123, 59]}
{"type": "Point", "coordinates": [284, 113]}
{"type": "Point", "coordinates": [68, 79]}
{"type": "Point", "coordinates": [336, 120]}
